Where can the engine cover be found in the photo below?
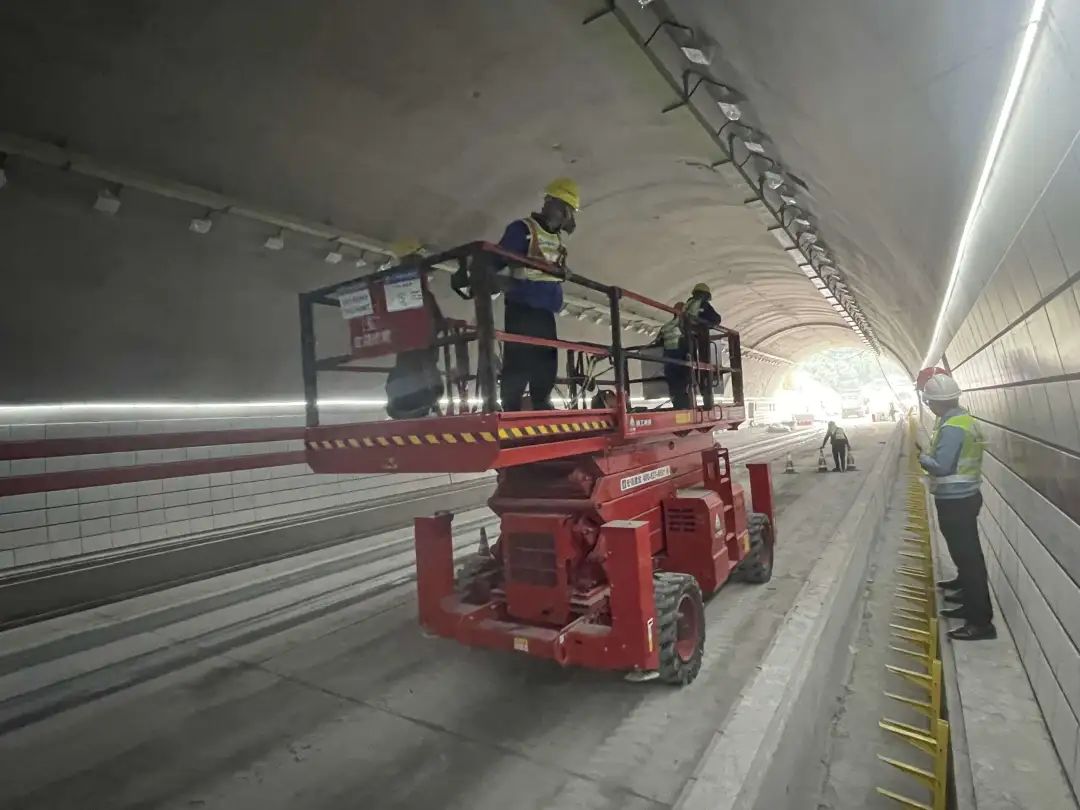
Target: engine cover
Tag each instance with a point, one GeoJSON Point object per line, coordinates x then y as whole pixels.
{"type": "Point", "coordinates": [538, 555]}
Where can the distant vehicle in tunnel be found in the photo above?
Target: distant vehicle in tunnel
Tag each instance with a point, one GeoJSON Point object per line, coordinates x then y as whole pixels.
{"type": "Point", "coordinates": [615, 523]}
{"type": "Point", "coordinates": [803, 420]}
{"type": "Point", "coordinates": [853, 406]}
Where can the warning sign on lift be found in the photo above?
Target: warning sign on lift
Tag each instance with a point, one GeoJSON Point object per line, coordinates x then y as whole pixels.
{"type": "Point", "coordinates": [632, 481]}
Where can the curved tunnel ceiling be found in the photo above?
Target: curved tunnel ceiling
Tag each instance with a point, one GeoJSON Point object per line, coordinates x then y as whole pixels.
{"type": "Point", "coordinates": [443, 121]}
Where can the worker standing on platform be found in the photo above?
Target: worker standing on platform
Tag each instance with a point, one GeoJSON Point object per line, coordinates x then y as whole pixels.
{"type": "Point", "coordinates": [954, 463]}
{"type": "Point", "coordinates": [676, 336]}
{"type": "Point", "coordinates": [533, 298]}
{"type": "Point", "coordinates": [840, 446]}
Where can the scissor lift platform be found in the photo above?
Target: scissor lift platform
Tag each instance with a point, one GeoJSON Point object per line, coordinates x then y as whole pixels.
{"type": "Point", "coordinates": [475, 442]}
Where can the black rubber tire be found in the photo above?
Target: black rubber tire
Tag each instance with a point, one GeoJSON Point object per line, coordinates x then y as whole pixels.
{"type": "Point", "coordinates": [758, 566]}
{"type": "Point", "coordinates": [678, 664]}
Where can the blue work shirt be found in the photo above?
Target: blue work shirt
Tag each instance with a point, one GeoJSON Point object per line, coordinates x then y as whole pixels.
{"type": "Point", "coordinates": [945, 459]}
{"type": "Point", "coordinates": [546, 295]}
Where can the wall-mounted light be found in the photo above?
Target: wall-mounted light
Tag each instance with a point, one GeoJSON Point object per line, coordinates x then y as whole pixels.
{"type": "Point", "coordinates": [108, 200]}
{"type": "Point", "coordinates": [3, 173]}
{"type": "Point", "coordinates": [275, 242]}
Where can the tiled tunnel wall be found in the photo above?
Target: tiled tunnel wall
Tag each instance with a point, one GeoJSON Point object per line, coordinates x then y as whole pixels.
{"type": "Point", "coordinates": [1016, 354]}
{"type": "Point", "coordinates": [42, 527]}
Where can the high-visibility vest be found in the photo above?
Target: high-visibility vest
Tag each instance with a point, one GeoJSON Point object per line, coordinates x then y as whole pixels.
{"type": "Point", "coordinates": [542, 245]}
{"type": "Point", "coordinates": [693, 307]}
{"type": "Point", "coordinates": [671, 333]}
{"type": "Point", "coordinates": [969, 465]}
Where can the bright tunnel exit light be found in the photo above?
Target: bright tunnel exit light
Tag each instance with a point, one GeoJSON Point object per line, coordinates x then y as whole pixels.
{"type": "Point", "coordinates": [1023, 60]}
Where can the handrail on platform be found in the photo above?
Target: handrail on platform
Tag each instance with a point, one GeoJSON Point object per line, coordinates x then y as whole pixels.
{"type": "Point", "coordinates": [478, 278]}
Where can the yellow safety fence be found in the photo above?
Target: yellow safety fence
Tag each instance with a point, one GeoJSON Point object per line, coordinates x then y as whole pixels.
{"type": "Point", "coordinates": [915, 630]}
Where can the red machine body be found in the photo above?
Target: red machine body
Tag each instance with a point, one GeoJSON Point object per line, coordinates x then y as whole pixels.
{"type": "Point", "coordinates": [614, 522]}
{"type": "Point", "coordinates": [572, 574]}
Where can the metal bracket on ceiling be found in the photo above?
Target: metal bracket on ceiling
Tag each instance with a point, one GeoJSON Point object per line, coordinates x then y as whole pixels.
{"type": "Point", "coordinates": [602, 13]}
{"type": "Point", "coordinates": [667, 24]}
{"type": "Point", "coordinates": [733, 95]}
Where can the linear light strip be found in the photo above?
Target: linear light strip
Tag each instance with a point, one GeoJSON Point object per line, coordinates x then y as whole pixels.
{"type": "Point", "coordinates": [1023, 60]}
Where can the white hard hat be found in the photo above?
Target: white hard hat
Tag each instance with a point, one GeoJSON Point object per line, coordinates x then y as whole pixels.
{"type": "Point", "coordinates": [941, 388]}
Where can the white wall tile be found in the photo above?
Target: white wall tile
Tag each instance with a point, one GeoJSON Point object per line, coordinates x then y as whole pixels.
{"type": "Point", "coordinates": [66, 548]}
{"type": "Point", "coordinates": [21, 520]}
{"type": "Point", "coordinates": [88, 528]}
{"type": "Point", "coordinates": [63, 531]}
{"type": "Point", "coordinates": [99, 542]}
{"type": "Point", "coordinates": [151, 533]}
{"type": "Point", "coordinates": [31, 555]}
{"type": "Point", "coordinates": [90, 511]}
{"type": "Point", "coordinates": [24, 537]}
{"type": "Point", "coordinates": [21, 503]}
{"type": "Point", "coordinates": [126, 537]}
{"type": "Point", "coordinates": [62, 497]}
{"type": "Point", "coordinates": [118, 523]}
{"type": "Point", "coordinates": [62, 514]}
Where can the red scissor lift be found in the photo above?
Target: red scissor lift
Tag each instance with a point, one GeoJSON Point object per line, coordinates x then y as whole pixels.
{"type": "Point", "coordinates": [614, 521]}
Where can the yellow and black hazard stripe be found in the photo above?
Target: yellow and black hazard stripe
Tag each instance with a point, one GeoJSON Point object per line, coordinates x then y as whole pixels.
{"type": "Point", "coordinates": [476, 437]}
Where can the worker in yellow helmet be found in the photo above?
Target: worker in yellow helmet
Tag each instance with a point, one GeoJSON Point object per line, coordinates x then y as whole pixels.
{"type": "Point", "coordinates": [675, 337]}
{"type": "Point", "coordinates": [533, 298]}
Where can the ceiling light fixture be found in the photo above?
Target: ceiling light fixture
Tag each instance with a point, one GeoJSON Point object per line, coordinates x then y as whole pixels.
{"type": "Point", "coordinates": [108, 200]}
{"type": "Point", "coordinates": [275, 242]}
{"type": "Point", "coordinates": [334, 255]}
{"type": "Point", "coordinates": [731, 111]}
{"type": "Point", "coordinates": [1023, 60]}
{"type": "Point", "coordinates": [773, 180]}
{"type": "Point", "coordinates": [202, 225]}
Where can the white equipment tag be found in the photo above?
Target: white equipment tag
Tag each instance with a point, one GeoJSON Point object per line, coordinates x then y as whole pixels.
{"type": "Point", "coordinates": [404, 292]}
{"type": "Point", "coordinates": [633, 481]}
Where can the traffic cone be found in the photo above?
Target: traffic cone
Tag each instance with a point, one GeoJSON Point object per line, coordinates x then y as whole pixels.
{"type": "Point", "coordinates": [790, 466]}
{"type": "Point", "coordinates": [821, 465]}
{"type": "Point", "coordinates": [483, 549]}
{"type": "Point", "coordinates": [851, 460]}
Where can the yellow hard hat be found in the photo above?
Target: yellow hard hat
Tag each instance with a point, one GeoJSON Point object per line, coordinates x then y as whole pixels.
{"type": "Point", "coordinates": [701, 288]}
{"type": "Point", "coordinates": [406, 247]}
{"type": "Point", "coordinates": [565, 189]}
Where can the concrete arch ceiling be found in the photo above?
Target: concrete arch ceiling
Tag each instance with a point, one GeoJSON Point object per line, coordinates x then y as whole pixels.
{"type": "Point", "coordinates": [443, 120]}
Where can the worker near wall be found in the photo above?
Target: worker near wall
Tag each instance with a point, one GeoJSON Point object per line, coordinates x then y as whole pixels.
{"type": "Point", "coordinates": [954, 464]}
{"type": "Point", "coordinates": [690, 323]}
{"type": "Point", "coordinates": [533, 298]}
{"type": "Point", "coordinates": [840, 446]}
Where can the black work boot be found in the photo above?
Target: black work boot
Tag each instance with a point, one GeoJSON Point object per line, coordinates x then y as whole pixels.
{"type": "Point", "coordinates": [954, 598]}
{"type": "Point", "coordinates": [974, 632]}
{"type": "Point", "coordinates": [949, 584]}
{"type": "Point", "coordinates": [957, 612]}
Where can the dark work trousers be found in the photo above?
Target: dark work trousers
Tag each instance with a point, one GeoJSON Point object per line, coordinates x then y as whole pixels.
{"type": "Point", "coordinates": [532, 367]}
{"type": "Point", "coordinates": [839, 454]}
{"type": "Point", "coordinates": [678, 379]}
{"type": "Point", "coordinates": [958, 519]}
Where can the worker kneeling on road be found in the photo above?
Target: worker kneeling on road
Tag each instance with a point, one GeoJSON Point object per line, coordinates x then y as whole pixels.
{"type": "Point", "coordinates": [533, 298]}
{"type": "Point", "coordinates": [840, 446]}
{"type": "Point", "coordinates": [675, 336]}
{"type": "Point", "coordinates": [954, 463]}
